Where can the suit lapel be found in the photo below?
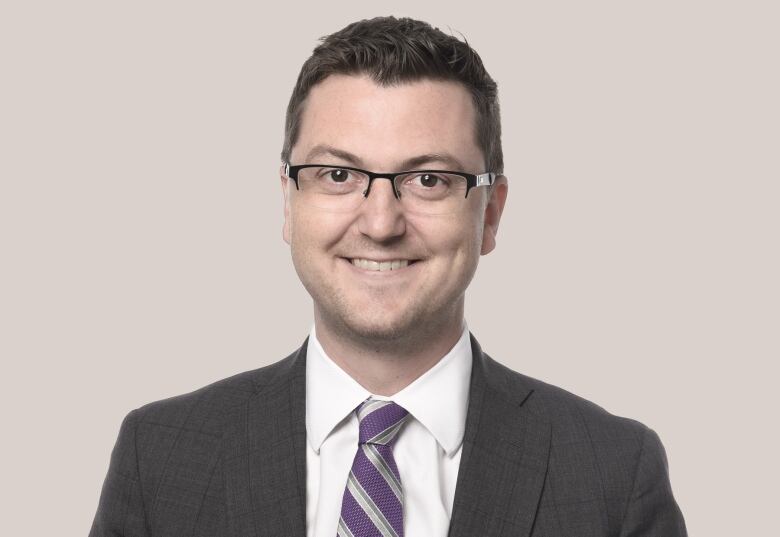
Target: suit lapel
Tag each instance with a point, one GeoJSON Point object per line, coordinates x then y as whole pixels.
{"type": "Point", "coordinates": [265, 456]}
{"type": "Point", "coordinates": [505, 453]}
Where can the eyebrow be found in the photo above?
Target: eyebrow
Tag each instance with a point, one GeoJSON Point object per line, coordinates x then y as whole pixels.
{"type": "Point", "coordinates": [408, 164]}
{"type": "Point", "coordinates": [327, 150]}
{"type": "Point", "coordinates": [448, 160]}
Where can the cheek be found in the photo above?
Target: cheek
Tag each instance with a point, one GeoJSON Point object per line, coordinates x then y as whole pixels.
{"type": "Point", "coordinates": [468, 247]}
{"type": "Point", "coordinates": [455, 241]}
{"type": "Point", "coordinates": [313, 233]}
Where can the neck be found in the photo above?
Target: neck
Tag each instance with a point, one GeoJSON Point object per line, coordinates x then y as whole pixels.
{"type": "Point", "coordinates": [385, 367]}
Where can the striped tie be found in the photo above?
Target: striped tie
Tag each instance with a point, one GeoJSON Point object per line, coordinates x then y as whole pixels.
{"type": "Point", "coordinates": [373, 500]}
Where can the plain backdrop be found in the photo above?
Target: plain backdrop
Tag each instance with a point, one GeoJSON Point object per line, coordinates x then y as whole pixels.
{"type": "Point", "coordinates": [140, 224]}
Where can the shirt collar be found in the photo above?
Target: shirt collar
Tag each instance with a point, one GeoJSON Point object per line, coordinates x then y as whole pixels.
{"type": "Point", "coordinates": [438, 399]}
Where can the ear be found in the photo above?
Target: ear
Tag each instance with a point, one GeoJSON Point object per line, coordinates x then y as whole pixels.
{"type": "Point", "coordinates": [493, 211]}
{"type": "Point", "coordinates": [286, 201]}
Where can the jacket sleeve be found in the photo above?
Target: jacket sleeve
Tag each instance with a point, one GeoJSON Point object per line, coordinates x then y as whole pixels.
{"type": "Point", "coordinates": [652, 510]}
{"type": "Point", "coordinates": [120, 512]}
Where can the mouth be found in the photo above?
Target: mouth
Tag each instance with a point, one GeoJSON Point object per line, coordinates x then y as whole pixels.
{"type": "Point", "coordinates": [380, 266]}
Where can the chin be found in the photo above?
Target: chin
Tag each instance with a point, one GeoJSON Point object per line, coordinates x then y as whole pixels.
{"type": "Point", "coordinates": [380, 329]}
{"type": "Point", "coordinates": [370, 318]}
{"type": "Point", "coordinates": [375, 323]}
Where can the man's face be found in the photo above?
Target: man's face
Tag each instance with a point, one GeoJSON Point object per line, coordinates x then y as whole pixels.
{"type": "Point", "coordinates": [351, 121]}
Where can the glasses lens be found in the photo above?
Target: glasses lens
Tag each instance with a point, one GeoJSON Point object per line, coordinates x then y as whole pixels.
{"type": "Point", "coordinates": [331, 188]}
{"type": "Point", "coordinates": [432, 192]}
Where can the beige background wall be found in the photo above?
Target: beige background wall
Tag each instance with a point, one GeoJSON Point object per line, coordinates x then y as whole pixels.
{"type": "Point", "coordinates": [140, 224]}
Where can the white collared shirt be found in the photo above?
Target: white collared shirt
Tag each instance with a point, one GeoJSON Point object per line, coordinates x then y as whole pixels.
{"type": "Point", "coordinates": [427, 450]}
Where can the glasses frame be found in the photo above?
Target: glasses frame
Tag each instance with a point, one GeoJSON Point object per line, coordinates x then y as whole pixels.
{"type": "Point", "coordinates": [472, 180]}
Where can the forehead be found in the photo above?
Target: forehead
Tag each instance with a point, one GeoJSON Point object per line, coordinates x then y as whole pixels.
{"type": "Point", "coordinates": [384, 125]}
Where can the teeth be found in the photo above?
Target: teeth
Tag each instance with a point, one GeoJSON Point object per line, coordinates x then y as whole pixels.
{"type": "Point", "coordinates": [367, 264]}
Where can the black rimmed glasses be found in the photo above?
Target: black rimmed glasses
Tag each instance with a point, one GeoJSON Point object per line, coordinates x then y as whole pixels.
{"type": "Point", "coordinates": [343, 188]}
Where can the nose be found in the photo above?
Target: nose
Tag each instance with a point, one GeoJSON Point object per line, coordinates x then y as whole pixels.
{"type": "Point", "coordinates": [381, 216]}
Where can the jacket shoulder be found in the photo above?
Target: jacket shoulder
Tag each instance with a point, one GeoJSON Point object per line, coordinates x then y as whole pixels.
{"type": "Point", "coordinates": [609, 468]}
{"type": "Point", "coordinates": [202, 409]}
{"type": "Point", "coordinates": [597, 460]}
{"type": "Point", "coordinates": [572, 418]}
{"type": "Point", "coordinates": [170, 449]}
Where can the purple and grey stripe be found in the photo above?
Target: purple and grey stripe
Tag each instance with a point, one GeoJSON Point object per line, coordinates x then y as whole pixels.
{"type": "Point", "coordinates": [373, 499]}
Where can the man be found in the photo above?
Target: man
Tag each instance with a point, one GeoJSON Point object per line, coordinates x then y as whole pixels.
{"type": "Point", "coordinates": [389, 420]}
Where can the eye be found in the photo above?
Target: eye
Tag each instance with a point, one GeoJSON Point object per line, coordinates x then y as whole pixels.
{"type": "Point", "coordinates": [337, 175]}
{"type": "Point", "coordinates": [429, 180]}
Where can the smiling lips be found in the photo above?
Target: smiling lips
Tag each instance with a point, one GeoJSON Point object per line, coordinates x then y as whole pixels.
{"type": "Point", "coordinates": [381, 266]}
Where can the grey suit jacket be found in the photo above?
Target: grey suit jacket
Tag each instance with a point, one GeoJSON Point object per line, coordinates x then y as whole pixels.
{"type": "Point", "coordinates": [229, 460]}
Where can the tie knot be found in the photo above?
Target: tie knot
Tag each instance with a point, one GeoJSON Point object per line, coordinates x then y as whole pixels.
{"type": "Point", "coordinates": [380, 421]}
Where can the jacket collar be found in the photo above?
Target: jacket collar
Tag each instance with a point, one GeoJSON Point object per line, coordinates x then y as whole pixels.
{"type": "Point", "coordinates": [264, 454]}
{"type": "Point", "coordinates": [505, 454]}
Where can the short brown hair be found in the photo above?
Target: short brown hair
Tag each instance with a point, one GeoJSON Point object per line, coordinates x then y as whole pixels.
{"type": "Point", "coordinates": [392, 51]}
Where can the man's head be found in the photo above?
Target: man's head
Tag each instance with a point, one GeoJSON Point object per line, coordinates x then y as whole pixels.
{"type": "Point", "coordinates": [389, 95]}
